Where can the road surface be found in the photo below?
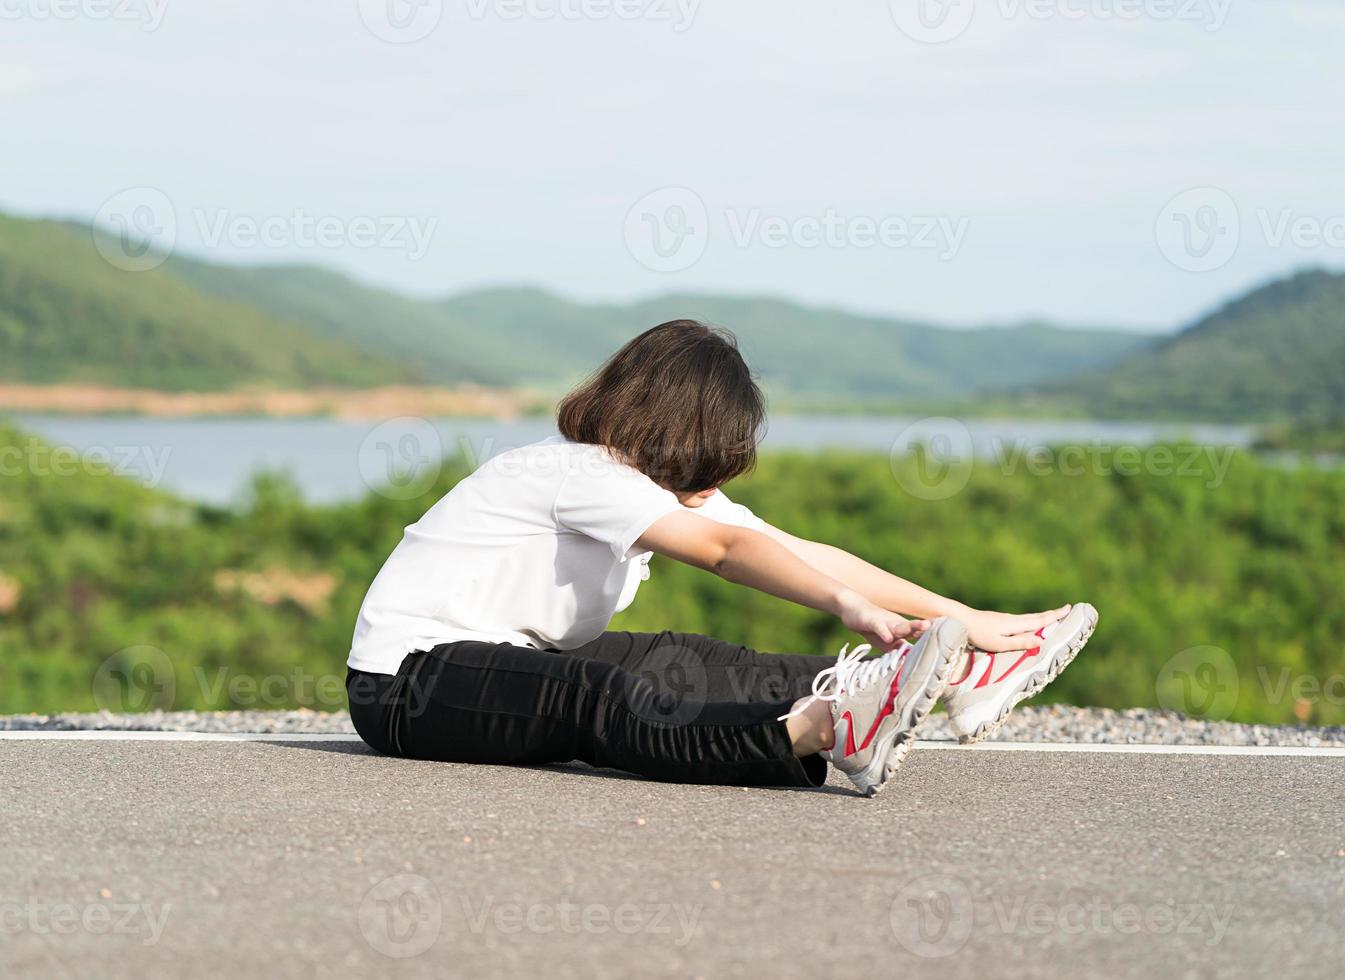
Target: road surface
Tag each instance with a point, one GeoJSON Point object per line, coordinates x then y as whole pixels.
{"type": "Point", "coordinates": [167, 856]}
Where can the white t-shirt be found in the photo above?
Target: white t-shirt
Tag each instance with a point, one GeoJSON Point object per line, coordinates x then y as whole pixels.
{"type": "Point", "coordinates": [535, 548]}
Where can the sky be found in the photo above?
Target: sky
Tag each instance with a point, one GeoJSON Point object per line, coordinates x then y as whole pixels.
{"type": "Point", "coordinates": [1092, 162]}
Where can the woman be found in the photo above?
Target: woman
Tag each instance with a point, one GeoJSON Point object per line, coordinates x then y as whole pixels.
{"type": "Point", "coordinates": [484, 637]}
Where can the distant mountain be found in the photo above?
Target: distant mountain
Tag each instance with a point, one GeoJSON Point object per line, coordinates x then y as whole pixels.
{"type": "Point", "coordinates": [522, 336]}
{"type": "Point", "coordinates": [819, 352]}
{"type": "Point", "coordinates": [384, 324]}
{"type": "Point", "coordinates": [66, 314]}
{"type": "Point", "coordinates": [1276, 353]}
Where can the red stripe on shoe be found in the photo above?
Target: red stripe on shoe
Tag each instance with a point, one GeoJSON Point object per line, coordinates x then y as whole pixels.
{"type": "Point", "coordinates": [873, 730]}
{"type": "Point", "coordinates": [989, 668]}
{"type": "Point", "coordinates": [971, 660]}
{"type": "Point", "coordinates": [1027, 654]}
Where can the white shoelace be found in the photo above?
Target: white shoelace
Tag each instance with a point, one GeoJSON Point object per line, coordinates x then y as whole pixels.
{"type": "Point", "coordinates": [852, 672]}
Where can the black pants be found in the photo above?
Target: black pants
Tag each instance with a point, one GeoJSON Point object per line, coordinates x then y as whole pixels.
{"type": "Point", "coordinates": [671, 706]}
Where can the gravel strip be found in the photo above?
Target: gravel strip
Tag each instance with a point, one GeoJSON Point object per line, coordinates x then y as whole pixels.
{"type": "Point", "coordinates": [1047, 723]}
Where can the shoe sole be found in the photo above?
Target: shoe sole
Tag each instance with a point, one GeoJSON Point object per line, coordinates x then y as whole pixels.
{"type": "Point", "coordinates": [904, 740]}
{"type": "Point", "coordinates": [986, 729]}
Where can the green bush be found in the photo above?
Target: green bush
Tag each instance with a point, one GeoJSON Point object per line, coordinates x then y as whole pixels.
{"type": "Point", "coordinates": [1248, 563]}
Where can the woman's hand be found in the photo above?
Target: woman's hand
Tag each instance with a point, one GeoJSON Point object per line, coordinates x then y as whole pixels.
{"type": "Point", "coordinates": [884, 630]}
{"type": "Point", "coordinates": [998, 632]}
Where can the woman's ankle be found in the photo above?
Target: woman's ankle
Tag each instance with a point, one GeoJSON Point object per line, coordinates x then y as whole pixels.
{"type": "Point", "coordinates": [811, 731]}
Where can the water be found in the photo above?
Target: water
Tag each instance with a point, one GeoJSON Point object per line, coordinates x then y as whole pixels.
{"type": "Point", "coordinates": [213, 460]}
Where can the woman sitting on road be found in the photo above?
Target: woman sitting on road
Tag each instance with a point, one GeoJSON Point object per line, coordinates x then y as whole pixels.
{"type": "Point", "coordinates": [484, 637]}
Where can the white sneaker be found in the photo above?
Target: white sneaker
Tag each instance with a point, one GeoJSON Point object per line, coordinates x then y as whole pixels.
{"type": "Point", "coordinates": [985, 687]}
{"type": "Point", "coordinates": [878, 703]}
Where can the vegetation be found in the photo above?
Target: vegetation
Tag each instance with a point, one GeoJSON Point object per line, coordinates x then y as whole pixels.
{"type": "Point", "coordinates": [1307, 435]}
{"type": "Point", "coordinates": [120, 597]}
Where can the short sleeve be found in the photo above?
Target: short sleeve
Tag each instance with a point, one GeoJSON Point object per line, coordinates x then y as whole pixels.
{"type": "Point", "coordinates": [718, 507]}
{"type": "Point", "coordinates": [610, 502]}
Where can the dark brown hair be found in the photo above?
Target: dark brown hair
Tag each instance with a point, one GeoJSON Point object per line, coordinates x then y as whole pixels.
{"type": "Point", "coordinates": [678, 403]}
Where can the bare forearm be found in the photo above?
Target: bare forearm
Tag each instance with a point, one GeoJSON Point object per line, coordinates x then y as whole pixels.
{"type": "Point", "coordinates": [879, 587]}
{"type": "Point", "coordinates": [760, 563]}
{"type": "Point", "coordinates": [993, 631]}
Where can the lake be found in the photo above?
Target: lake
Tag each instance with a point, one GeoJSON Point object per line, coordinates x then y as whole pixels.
{"type": "Point", "coordinates": [213, 459]}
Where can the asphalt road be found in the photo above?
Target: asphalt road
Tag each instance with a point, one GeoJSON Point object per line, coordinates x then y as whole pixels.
{"type": "Point", "coordinates": [299, 859]}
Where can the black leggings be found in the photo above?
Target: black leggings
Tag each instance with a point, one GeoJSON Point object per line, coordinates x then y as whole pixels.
{"type": "Point", "coordinates": [671, 706]}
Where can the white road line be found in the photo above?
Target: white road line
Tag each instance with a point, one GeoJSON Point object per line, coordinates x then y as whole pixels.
{"type": "Point", "coordinates": [1333, 752]}
{"type": "Point", "coordinates": [1320, 751]}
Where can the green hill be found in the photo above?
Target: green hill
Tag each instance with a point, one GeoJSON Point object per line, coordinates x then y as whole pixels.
{"type": "Point", "coordinates": [381, 323]}
{"type": "Point", "coordinates": [67, 315]}
{"type": "Point", "coordinates": [1277, 353]}
{"type": "Point", "coordinates": [528, 336]}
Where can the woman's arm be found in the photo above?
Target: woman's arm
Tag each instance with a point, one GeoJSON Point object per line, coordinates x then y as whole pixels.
{"type": "Point", "coordinates": [883, 588]}
{"type": "Point", "coordinates": [991, 631]}
{"type": "Point", "coordinates": [753, 559]}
